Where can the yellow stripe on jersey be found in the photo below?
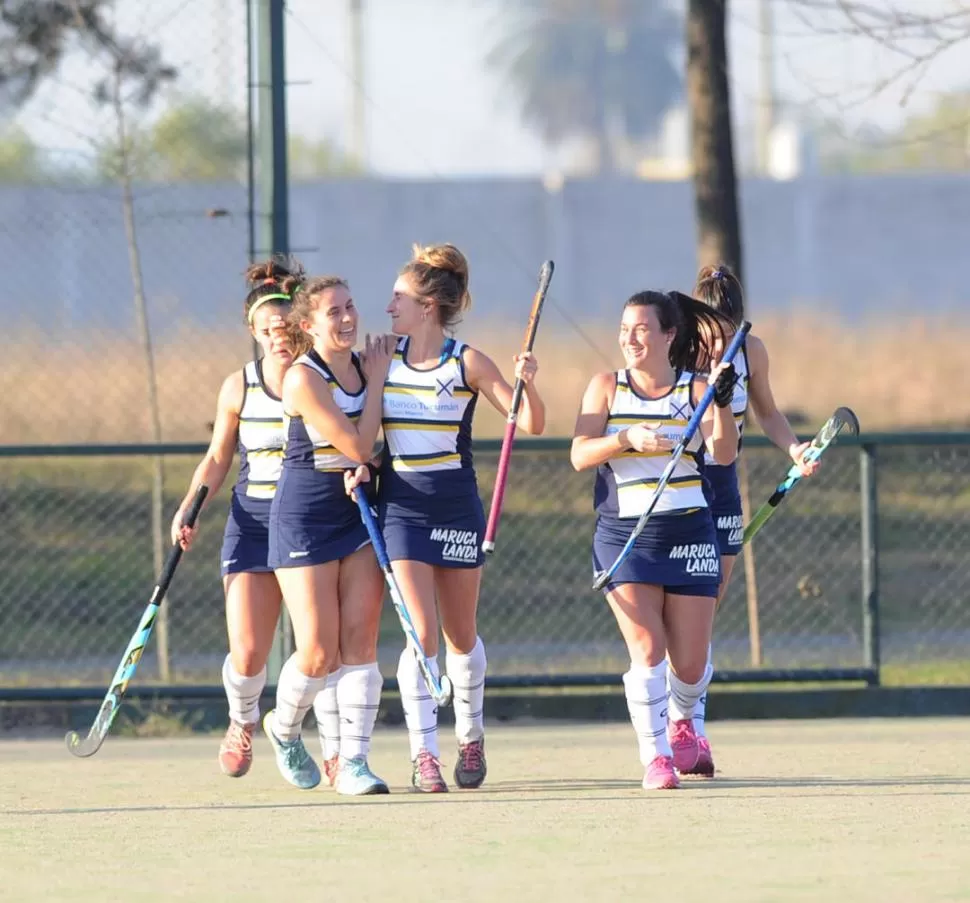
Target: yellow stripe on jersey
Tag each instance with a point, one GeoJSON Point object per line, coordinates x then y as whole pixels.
{"type": "Point", "coordinates": [260, 490]}
{"type": "Point", "coordinates": [635, 419]}
{"type": "Point", "coordinates": [426, 391]}
{"type": "Point", "coordinates": [678, 482]}
{"type": "Point", "coordinates": [391, 426]}
{"type": "Point", "coordinates": [413, 461]}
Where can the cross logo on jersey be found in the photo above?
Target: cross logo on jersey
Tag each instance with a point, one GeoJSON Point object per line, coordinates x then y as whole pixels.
{"type": "Point", "coordinates": [680, 412]}
{"type": "Point", "coordinates": [444, 387]}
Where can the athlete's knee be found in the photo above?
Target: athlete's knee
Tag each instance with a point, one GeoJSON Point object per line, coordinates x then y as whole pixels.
{"type": "Point", "coordinates": [646, 650]}
{"type": "Point", "coordinates": [316, 659]}
{"type": "Point", "coordinates": [358, 643]}
{"type": "Point", "coordinates": [690, 666]}
{"type": "Point", "coordinates": [247, 661]}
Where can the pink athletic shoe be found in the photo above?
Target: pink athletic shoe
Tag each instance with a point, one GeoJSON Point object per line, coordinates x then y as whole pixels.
{"type": "Point", "coordinates": [683, 743]}
{"type": "Point", "coordinates": [660, 775]}
{"type": "Point", "coordinates": [705, 760]}
{"type": "Point", "coordinates": [330, 768]}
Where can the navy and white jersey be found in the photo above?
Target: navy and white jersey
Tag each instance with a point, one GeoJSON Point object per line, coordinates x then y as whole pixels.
{"type": "Point", "coordinates": [261, 437]}
{"type": "Point", "coordinates": [739, 402]}
{"type": "Point", "coordinates": [305, 448]}
{"type": "Point", "coordinates": [313, 520]}
{"type": "Point", "coordinates": [427, 414]}
{"type": "Point", "coordinates": [625, 484]}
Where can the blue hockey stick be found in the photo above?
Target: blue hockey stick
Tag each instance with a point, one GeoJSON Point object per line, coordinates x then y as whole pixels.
{"type": "Point", "coordinates": [440, 689]}
{"type": "Point", "coordinates": [89, 745]}
{"type": "Point", "coordinates": [603, 577]}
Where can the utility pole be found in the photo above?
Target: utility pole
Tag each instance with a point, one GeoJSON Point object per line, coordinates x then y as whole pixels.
{"type": "Point", "coordinates": [358, 124]}
{"type": "Point", "coordinates": [765, 120]}
{"type": "Point", "coordinates": [271, 217]}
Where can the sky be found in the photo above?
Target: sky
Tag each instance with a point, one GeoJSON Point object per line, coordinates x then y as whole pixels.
{"type": "Point", "coordinates": [433, 107]}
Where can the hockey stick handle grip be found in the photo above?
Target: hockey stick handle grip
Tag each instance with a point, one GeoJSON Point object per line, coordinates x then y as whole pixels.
{"type": "Point", "coordinates": [175, 555]}
{"type": "Point", "coordinates": [373, 531]}
{"type": "Point", "coordinates": [727, 358]}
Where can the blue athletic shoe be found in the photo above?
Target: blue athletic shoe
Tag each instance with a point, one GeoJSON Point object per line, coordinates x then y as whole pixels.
{"type": "Point", "coordinates": [294, 762]}
{"type": "Point", "coordinates": [354, 778]}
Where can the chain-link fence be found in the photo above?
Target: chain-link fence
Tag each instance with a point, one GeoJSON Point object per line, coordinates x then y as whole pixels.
{"type": "Point", "coordinates": [76, 568]}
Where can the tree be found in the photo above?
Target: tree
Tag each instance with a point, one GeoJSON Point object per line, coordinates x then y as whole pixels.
{"type": "Point", "coordinates": [712, 145]}
{"type": "Point", "coordinates": [20, 160]}
{"type": "Point", "coordinates": [35, 36]}
{"type": "Point", "coordinates": [312, 159]}
{"type": "Point", "coordinates": [198, 141]}
{"type": "Point", "coordinates": [593, 69]}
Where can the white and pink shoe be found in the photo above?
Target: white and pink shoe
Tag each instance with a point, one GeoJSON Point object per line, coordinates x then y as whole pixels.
{"type": "Point", "coordinates": [684, 744]}
{"type": "Point", "coordinates": [660, 775]}
{"type": "Point", "coordinates": [705, 760]}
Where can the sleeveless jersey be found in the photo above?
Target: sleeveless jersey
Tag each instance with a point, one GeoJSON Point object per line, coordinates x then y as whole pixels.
{"type": "Point", "coordinates": [261, 437]}
{"type": "Point", "coordinates": [625, 484]}
{"type": "Point", "coordinates": [427, 414]}
{"type": "Point", "coordinates": [739, 402]}
{"type": "Point", "coordinates": [305, 448]}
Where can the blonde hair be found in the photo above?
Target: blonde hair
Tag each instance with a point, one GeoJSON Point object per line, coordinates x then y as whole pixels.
{"type": "Point", "coordinates": [305, 301]}
{"type": "Point", "coordinates": [439, 274]}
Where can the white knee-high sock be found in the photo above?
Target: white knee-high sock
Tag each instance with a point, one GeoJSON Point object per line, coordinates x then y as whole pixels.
{"type": "Point", "coordinates": [646, 698]}
{"type": "Point", "coordinates": [295, 693]}
{"type": "Point", "coordinates": [242, 692]}
{"type": "Point", "coordinates": [467, 673]}
{"type": "Point", "coordinates": [358, 699]}
{"type": "Point", "coordinates": [327, 713]}
{"type": "Point", "coordinates": [420, 710]}
{"type": "Point", "coordinates": [700, 709]}
{"type": "Point", "coordinates": [684, 696]}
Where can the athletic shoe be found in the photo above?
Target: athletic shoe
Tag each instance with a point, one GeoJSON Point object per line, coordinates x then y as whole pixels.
{"type": "Point", "coordinates": [660, 775]}
{"type": "Point", "coordinates": [470, 768]}
{"type": "Point", "coordinates": [331, 767]}
{"type": "Point", "coordinates": [705, 760]}
{"type": "Point", "coordinates": [355, 778]}
{"type": "Point", "coordinates": [294, 762]}
{"type": "Point", "coordinates": [426, 774]}
{"type": "Point", "coordinates": [236, 749]}
{"type": "Point", "coordinates": [683, 743]}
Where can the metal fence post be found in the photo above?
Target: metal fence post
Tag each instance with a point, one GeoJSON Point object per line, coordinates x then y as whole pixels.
{"type": "Point", "coordinates": [869, 491]}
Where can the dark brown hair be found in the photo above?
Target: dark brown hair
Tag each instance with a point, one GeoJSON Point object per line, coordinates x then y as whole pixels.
{"type": "Point", "coordinates": [305, 301]}
{"type": "Point", "coordinates": [276, 276]}
{"type": "Point", "coordinates": [719, 288]}
{"type": "Point", "coordinates": [698, 328]}
{"type": "Point", "coordinates": [439, 274]}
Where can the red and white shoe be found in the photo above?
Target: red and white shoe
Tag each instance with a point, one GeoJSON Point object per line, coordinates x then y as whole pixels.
{"type": "Point", "coordinates": [236, 749]}
{"type": "Point", "coordinates": [330, 768]}
{"type": "Point", "coordinates": [660, 775]}
{"type": "Point", "coordinates": [683, 743]}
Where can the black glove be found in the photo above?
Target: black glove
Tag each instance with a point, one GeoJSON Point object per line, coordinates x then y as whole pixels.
{"type": "Point", "coordinates": [724, 386]}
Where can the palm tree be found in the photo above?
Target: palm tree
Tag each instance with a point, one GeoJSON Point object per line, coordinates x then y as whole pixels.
{"type": "Point", "coordinates": [602, 70]}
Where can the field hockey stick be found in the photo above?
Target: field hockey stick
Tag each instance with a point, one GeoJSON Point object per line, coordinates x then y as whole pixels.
{"type": "Point", "coordinates": [440, 689]}
{"type": "Point", "coordinates": [505, 456]}
{"type": "Point", "coordinates": [603, 577]}
{"type": "Point", "coordinates": [89, 745]}
{"type": "Point", "coordinates": [842, 419]}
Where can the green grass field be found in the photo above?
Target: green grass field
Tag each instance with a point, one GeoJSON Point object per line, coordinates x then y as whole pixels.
{"type": "Point", "coordinates": [829, 811]}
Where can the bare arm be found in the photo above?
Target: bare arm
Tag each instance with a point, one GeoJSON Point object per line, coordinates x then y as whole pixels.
{"type": "Point", "coordinates": [774, 424]}
{"type": "Point", "coordinates": [590, 447]}
{"type": "Point", "coordinates": [484, 376]}
{"type": "Point", "coordinates": [215, 464]}
{"type": "Point", "coordinates": [717, 426]}
{"type": "Point", "coordinates": [307, 395]}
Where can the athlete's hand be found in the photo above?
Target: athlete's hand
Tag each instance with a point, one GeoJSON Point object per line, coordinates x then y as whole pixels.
{"type": "Point", "coordinates": [723, 377]}
{"type": "Point", "coordinates": [643, 439]}
{"type": "Point", "coordinates": [376, 357]}
{"type": "Point", "coordinates": [526, 366]}
{"type": "Point", "coordinates": [181, 534]}
{"type": "Point", "coordinates": [797, 454]}
{"type": "Point", "coordinates": [353, 479]}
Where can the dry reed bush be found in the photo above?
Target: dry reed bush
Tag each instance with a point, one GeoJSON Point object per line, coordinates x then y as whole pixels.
{"type": "Point", "coordinates": [904, 373]}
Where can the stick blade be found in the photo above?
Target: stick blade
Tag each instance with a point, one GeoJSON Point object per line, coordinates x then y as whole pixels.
{"type": "Point", "coordinates": [847, 419]}
{"type": "Point", "coordinates": [82, 747]}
